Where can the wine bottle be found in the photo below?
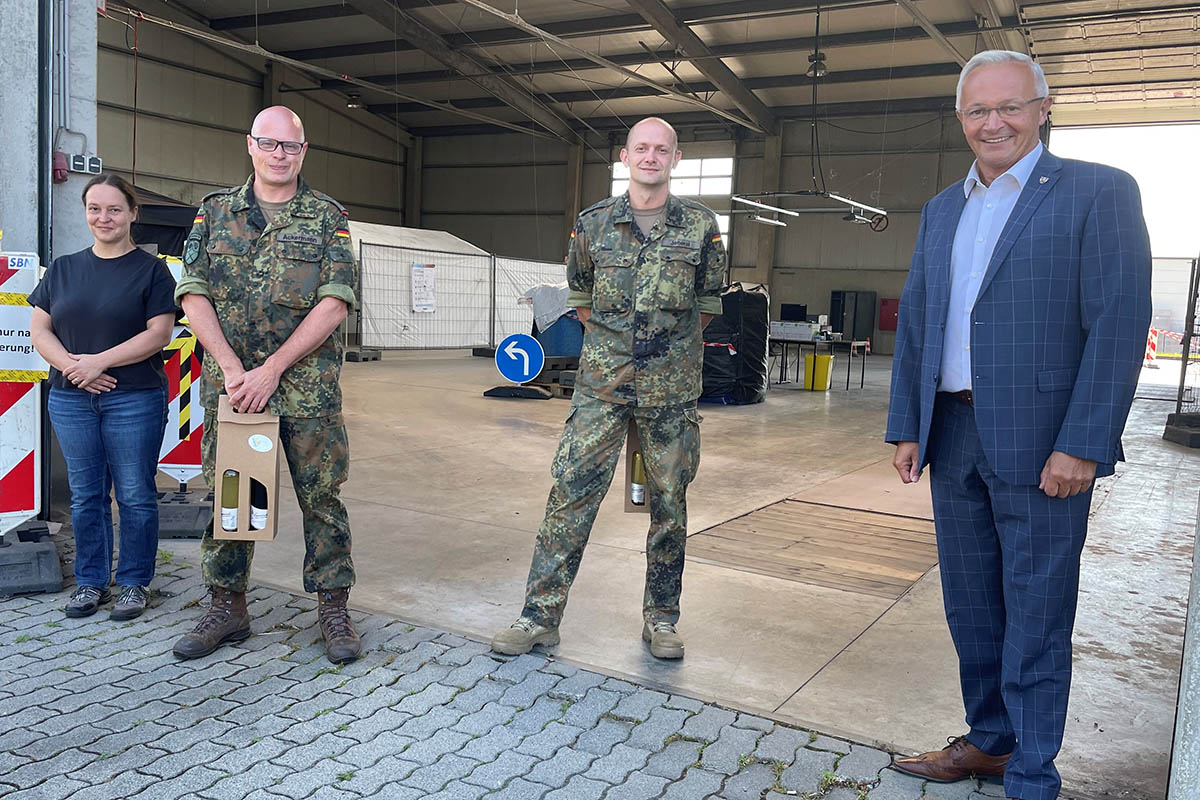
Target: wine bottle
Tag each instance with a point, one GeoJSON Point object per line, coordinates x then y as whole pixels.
{"type": "Point", "coordinates": [637, 486]}
{"type": "Point", "coordinates": [258, 505]}
{"type": "Point", "coordinates": [229, 500]}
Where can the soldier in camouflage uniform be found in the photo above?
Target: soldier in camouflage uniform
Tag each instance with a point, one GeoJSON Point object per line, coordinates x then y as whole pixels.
{"type": "Point", "coordinates": [646, 270]}
{"type": "Point", "coordinates": [268, 276]}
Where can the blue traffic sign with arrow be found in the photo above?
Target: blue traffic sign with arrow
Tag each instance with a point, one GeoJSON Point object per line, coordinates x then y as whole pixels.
{"type": "Point", "coordinates": [520, 357]}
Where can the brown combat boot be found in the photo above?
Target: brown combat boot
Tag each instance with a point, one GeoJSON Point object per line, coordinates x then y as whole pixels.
{"type": "Point", "coordinates": [342, 644]}
{"type": "Point", "coordinates": [226, 621]}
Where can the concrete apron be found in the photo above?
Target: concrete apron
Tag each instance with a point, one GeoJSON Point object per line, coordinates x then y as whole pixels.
{"type": "Point", "coordinates": [448, 488]}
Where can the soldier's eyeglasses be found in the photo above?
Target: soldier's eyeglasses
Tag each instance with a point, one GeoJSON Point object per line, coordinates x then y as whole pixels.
{"type": "Point", "coordinates": [269, 145]}
{"type": "Point", "coordinates": [1006, 111]}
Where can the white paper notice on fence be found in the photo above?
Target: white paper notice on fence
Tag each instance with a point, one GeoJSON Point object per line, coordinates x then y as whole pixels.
{"type": "Point", "coordinates": [423, 299]}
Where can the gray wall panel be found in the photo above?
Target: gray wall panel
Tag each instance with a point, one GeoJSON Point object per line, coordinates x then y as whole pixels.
{"type": "Point", "coordinates": [195, 103]}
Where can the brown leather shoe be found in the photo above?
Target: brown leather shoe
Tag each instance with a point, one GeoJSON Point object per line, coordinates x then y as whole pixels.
{"type": "Point", "coordinates": [342, 643]}
{"type": "Point", "coordinates": [226, 621]}
{"type": "Point", "coordinates": [959, 759]}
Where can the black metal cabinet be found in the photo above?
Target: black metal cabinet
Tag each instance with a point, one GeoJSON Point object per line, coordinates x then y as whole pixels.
{"type": "Point", "coordinates": [852, 313]}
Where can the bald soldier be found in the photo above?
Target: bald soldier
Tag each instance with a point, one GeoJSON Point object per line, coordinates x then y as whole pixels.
{"type": "Point", "coordinates": [646, 271]}
{"type": "Point", "coordinates": [268, 275]}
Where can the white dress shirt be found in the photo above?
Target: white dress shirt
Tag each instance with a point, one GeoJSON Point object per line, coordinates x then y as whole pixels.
{"type": "Point", "coordinates": [979, 228]}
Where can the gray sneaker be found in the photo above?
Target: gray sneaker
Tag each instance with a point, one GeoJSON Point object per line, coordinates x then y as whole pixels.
{"type": "Point", "coordinates": [86, 600]}
{"type": "Point", "coordinates": [523, 636]}
{"type": "Point", "coordinates": [130, 604]}
{"type": "Point", "coordinates": [664, 641]}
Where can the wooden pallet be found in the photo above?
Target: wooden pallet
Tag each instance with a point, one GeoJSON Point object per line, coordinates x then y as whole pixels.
{"type": "Point", "coordinates": [842, 548]}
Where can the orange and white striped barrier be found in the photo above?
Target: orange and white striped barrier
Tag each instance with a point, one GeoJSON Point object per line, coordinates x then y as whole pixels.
{"type": "Point", "coordinates": [21, 369]}
{"type": "Point", "coordinates": [1151, 348]}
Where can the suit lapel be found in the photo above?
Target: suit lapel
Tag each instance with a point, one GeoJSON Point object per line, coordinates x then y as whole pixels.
{"type": "Point", "coordinates": [1045, 174]}
{"type": "Point", "coordinates": [940, 249]}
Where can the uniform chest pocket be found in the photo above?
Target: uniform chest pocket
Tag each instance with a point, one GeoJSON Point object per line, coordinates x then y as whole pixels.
{"type": "Point", "coordinates": [299, 275]}
{"type": "Point", "coordinates": [675, 284]}
{"type": "Point", "coordinates": [227, 259]}
{"type": "Point", "coordinates": [613, 281]}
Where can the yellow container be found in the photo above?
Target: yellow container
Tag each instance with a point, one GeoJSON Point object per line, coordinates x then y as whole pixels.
{"type": "Point", "coordinates": [822, 366]}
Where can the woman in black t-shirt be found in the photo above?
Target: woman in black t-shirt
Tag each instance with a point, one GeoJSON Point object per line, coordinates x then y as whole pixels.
{"type": "Point", "coordinates": [101, 318]}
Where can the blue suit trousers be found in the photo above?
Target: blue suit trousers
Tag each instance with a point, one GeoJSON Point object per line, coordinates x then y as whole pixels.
{"type": "Point", "coordinates": [1009, 562]}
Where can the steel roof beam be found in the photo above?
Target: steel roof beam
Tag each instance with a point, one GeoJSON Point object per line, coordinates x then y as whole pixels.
{"type": "Point", "coordinates": [313, 13]}
{"type": "Point", "coordinates": [932, 30]}
{"type": "Point", "coordinates": [737, 10]}
{"type": "Point", "coordinates": [503, 87]}
{"type": "Point", "coordinates": [916, 105]}
{"type": "Point", "coordinates": [721, 51]}
{"type": "Point", "coordinates": [689, 45]}
{"type": "Point", "coordinates": [771, 82]}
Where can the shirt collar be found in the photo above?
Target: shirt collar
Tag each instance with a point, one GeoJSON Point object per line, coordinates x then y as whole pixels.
{"type": "Point", "coordinates": [1020, 171]}
{"type": "Point", "coordinates": [244, 197]}
{"type": "Point", "coordinates": [623, 211]}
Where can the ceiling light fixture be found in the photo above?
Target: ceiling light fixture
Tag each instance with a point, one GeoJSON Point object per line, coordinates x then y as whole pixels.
{"type": "Point", "coordinates": [768, 221]}
{"type": "Point", "coordinates": [353, 100]}
{"type": "Point", "coordinates": [764, 206]}
{"type": "Point", "coordinates": [816, 65]}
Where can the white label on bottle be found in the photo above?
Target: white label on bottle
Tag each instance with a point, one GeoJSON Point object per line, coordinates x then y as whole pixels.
{"type": "Point", "coordinates": [229, 519]}
{"type": "Point", "coordinates": [637, 493]}
{"type": "Point", "coordinates": [260, 443]}
{"type": "Point", "coordinates": [258, 518]}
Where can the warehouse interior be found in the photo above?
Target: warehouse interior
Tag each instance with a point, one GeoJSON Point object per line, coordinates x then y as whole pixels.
{"type": "Point", "coordinates": [497, 123]}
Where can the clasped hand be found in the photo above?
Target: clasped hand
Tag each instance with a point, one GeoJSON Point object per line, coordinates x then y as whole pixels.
{"type": "Point", "coordinates": [249, 390]}
{"type": "Point", "coordinates": [87, 371]}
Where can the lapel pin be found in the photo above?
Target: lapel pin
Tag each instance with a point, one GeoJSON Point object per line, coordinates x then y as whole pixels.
{"type": "Point", "coordinates": [1043, 179]}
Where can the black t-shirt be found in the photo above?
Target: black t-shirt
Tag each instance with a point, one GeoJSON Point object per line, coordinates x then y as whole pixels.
{"type": "Point", "coordinates": [97, 303]}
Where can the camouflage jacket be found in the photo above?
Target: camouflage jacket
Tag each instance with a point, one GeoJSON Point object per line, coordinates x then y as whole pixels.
{"type": "Point", "coordinates": [263, 280]}
{"type": "Point", "coordinates": [643, 344]}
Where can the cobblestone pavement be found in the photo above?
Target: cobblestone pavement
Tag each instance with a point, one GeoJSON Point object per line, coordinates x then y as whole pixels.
{"type": "Point", "coordinates": [92, 709]}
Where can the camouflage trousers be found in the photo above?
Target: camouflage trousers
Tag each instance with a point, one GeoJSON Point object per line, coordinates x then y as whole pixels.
{"type": "Point", "coordinates": [318, 456]}
{"type": "Point", "coordinates": [583, 468]}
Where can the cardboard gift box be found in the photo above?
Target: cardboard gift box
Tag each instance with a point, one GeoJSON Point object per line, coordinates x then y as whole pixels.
{"type": "Point", "coordinates": [249, 445]}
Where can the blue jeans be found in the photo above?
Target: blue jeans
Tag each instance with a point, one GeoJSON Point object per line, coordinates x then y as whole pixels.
{"type": "Point", "coordinates": [112, 440]}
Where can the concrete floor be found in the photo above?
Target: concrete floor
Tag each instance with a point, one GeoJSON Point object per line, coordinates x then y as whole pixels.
{"type": "Point", "coordinates": [448, 488]}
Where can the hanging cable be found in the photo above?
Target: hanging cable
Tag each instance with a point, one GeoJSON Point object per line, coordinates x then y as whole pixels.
{"type": "Point", "coordinates": [814, 135]}
{"type": "Point", "coordinates": [133, 171]}
{"type": "Point", "coordinates": [887, 101]}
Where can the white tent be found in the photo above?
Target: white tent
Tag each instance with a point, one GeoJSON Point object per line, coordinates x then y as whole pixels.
{"type": "Point", "coordinates": [414, 238]}
{"type": "Point", "coordinates": [464, 296]}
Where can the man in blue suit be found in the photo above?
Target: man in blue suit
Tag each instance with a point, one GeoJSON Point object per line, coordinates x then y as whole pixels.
{"type": "Point", "coordinates": [1021, 334]}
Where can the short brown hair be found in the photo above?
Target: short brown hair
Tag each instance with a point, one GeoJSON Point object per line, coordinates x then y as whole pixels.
{"type": "Point", "coordinates": [116, 181]}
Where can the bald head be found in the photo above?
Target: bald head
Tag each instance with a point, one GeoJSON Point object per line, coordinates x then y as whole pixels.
{"type": "Point", "coordinates": [280, 123]}
{"type": "Point", "coordinates": [277, 148]}
{"type": "Point", "coordinates": [653, 122]}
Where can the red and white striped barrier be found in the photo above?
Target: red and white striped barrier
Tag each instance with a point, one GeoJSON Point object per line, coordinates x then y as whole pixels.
{"type": "Point", "coordinates": [21, 369]}
{"type": "Point", "coordinates": [1151, 348]}
{"type": "Point", "coordinates": [20, 462]}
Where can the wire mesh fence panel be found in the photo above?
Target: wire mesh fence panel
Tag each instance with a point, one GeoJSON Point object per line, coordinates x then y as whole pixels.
{"type": "Point", "coordinates": [1189, 380]}
{"type": "Point", "coordinates": [515, 277]}
{"type": "Point", "coordinates": [424, 299]}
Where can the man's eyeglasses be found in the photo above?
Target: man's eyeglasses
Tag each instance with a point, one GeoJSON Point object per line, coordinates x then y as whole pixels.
{"type": "Point", "coordinates": [269, 145]}
{"type": "Point", "coordinates": [1006, 111]}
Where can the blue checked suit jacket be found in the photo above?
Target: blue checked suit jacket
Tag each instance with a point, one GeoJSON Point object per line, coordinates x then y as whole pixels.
{"type": "Point", "coordinates": [1058, 332]}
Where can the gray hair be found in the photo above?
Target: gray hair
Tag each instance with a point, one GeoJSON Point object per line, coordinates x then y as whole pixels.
{"type": "Point", "coordinates": [988, 57]}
